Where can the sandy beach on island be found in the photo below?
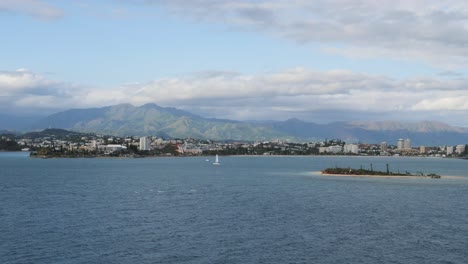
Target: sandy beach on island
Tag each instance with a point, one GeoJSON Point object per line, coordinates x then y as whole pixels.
{"type": "Point", "coordinates": [383, 176]}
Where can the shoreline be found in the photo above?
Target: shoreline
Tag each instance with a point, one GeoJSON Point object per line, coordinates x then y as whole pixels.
{"type": "Point", "coordinates": [248, 155]}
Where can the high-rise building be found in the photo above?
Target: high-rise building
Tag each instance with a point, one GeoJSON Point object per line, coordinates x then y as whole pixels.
{"type": "Point", "coordinates": [383, 146]}
{"type": "Point", "coordinates": [400, 144]}
{"type": "Point", "coordinates": [422, 149]}
{"type": "Point", "coordinates": [407, 144]}
{"type": "Point", "coordinates": [144, 143]}
{"type": "Point", "coordinates": [449, 150]}
{"type": "Point", "coordinates": [459, 149]}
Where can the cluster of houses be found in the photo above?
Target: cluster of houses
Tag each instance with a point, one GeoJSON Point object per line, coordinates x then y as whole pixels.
{"type": "Point", "coordinates": [107, 145]}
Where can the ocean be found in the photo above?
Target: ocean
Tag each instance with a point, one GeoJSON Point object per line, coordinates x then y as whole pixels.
{"type": "Point", "coordinates": [247, 210]}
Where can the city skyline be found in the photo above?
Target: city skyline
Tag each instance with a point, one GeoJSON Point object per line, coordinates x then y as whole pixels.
{"type": "Point", "coordinates": [321, 61]}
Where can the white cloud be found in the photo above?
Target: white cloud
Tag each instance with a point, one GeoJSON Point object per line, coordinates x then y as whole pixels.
{"type": "Point", "coordinates": [455, 101]}
{"type": "Point", "coordinates": [36, 8]}
{"type": "Point", "coordinates": [304, 93]}
{"type": "Point", "coordinates": [26, 91]}
{"type": "Point", "coordinates": [22, 80]}
{"type": "Point", "coordinates": [429, 30]}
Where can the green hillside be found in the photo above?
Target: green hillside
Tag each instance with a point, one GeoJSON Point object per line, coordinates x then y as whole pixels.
{"type": "Point", "coordinates": [151, 119]}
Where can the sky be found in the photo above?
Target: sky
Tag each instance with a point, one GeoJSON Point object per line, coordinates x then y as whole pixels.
{"type": "Point", "coordinates": [319, 61]}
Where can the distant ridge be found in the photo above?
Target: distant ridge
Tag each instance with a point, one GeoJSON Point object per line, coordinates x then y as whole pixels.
{"type": "Point", "coordinates": [423, 126]}
{"type": "Point", "coordinates": [426, 133]}
{"type": "Point", "coordinates": [151, 119]}
{"type": "Point", "coordinates": [53, 132]}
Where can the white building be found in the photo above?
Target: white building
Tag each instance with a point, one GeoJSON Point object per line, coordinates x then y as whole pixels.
{"type": "Point", "coordinates": [422, 149]}
{"type": "Point", "coordinates": [144, 143]}
{"type": "Point", "coordinates": [407, 144]}
{"type": "Point", "coordinates": [189, 149]}
{"type": "Point", "coordinates": [459, 149]}
{"type": "Point", "coordinates": [351, 148]}
{"type": "Point", "coordinates": [400, 144]}
{"type": "Point", "coordinates": [383, 146]}
{"type": "Point", "coordinates": [331, 149]}
{"type": "Point", "coordinates": [323, 149]}
{"type": "Point", "coordinates": [114, 148]}
{"type": "Point", "coordinates": [449, 150]}
{"type": "Point", "coordinates": [335, 149]}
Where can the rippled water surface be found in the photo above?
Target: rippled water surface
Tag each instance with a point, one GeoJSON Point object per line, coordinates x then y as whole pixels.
{"type": "Point", "coordinates": [248, 210]}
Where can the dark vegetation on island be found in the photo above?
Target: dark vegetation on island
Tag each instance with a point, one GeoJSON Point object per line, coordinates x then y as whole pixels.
{"type": "Point", "coordinates": [9, 145]}
{"type": "Point", "coordinates": [372, 172]}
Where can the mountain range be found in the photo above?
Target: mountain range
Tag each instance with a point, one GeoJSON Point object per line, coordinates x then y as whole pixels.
{"type": "Point", "coordinates": [151, 119]}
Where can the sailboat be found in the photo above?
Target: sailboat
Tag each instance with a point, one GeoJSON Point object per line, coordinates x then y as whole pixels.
{"type": "Point", "coordinates": [216, 161]}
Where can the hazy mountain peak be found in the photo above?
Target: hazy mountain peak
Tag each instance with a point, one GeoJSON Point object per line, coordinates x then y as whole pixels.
{"type": "Point", "coordinates": [152, 119]}
{"type": "Point", "coordinates": [151, 105]}
{"type": "Point", "coordinates": [294, 120]}
{"type": "Point", "coordinates": [423, 126]}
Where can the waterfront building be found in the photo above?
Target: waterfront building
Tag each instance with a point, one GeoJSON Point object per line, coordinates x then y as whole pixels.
{"type": "Point", "coordinates": [111, 148]}
{"type": "Point", "coordinates": [323, 149]}
{"type": "Point", "coordinates": [335, 149]}
{"type": "Point", "coordinates": [351, 148]}
{"type": "Point", "coordinates": [459, 149]}
{"type": "Point", "coordinates": [407, 144]}
{"type": "Point", "coordinates": [144, 143]}
{"type": "Point", "coordinates": [449, 150]}
{"type": "Point", "coordinates": [422, 149]}
{"type": "Point", "coordinates": [400, 144]}
{"type": "Point", "coordinates": [383, 146]}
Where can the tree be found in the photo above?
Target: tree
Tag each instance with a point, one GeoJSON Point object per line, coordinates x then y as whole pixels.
{"type": "Point", "coordinates": [170, 148]}
{"type": "Point", "coordinates": [465, 153]}
{"type": "Point", "coordinates": [9, 145]}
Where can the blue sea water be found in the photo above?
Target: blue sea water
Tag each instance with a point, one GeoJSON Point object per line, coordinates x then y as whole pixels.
{"type": "Point", "coordinates": [248, 210]}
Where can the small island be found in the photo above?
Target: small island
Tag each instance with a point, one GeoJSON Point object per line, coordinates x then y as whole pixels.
{"type": "Point", "coordinates": [364, 172]}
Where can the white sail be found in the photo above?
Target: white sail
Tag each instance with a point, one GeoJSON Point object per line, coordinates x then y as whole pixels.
{"type": "Point", "coordinates": [216, 160]}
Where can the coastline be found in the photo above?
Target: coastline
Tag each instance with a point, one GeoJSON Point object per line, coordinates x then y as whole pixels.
{"type": "Point", "coordinates": [247, 156]}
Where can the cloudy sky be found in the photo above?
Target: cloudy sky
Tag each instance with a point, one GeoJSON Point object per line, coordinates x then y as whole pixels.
{"type": "Point", "coordinates": [321, 60]}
